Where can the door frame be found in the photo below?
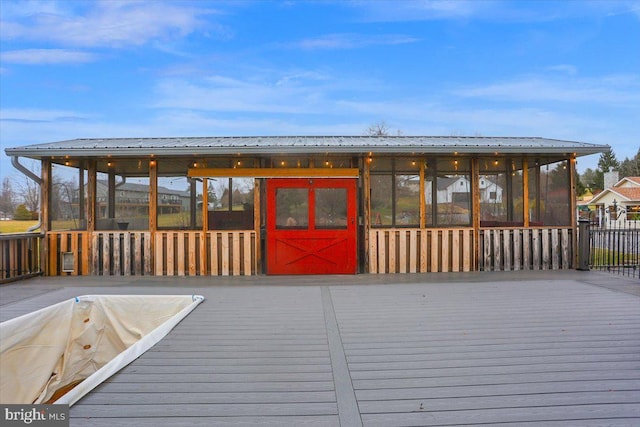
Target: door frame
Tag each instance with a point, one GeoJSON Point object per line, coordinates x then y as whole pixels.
{"type": "Point", "coordinates": [347, 237]}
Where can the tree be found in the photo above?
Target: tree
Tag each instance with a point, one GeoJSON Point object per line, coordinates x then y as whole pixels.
{"type": "Point", "coordinates": [7, 199]}
{"type": "Point", "coordinates": [22, 213]}
{"type": "Point", "coordinates": [590, 179]}
{"type": "Point", "coordinates": [380, 129]}
{"type": "Point", "coordinates": [608, 161]}
{"type": "Point", "coordinates": [580, 187]}
{"type": "Point", "coordinates": [630, 167]}
{"type": "Point", "coordinates": [30, 190]}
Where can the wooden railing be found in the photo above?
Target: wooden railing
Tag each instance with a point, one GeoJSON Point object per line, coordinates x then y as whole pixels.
{"type": "Point", "coordinates": [413, 250]}
{"type": "Point", "coordinates": [214, 253]}
{"type": "Point", "coordinates": [121, 253]}
{"type": "Point", "coordinates": [526, 249]}
{"type": "Point", "coordinates": [129, 253]}
{"type": "Point", "coordinates": [71, 245]}
{"type": "Point", "coordinates": [20, 256]}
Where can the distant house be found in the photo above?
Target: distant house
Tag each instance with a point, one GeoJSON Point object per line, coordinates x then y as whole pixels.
{"type": "Point", "coordinates": [617, 204]}
{"type": "Point", "coordinates": [131, 200]}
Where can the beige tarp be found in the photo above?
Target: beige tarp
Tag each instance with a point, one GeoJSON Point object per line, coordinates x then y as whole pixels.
{"type": "Point", "coordinates": [86, 338]}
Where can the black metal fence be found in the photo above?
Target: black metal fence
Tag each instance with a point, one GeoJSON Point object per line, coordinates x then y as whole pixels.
{"type": "Point", "coordinates": [616, 248]}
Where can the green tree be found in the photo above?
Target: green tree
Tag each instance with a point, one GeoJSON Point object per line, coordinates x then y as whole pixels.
{"type": "Point", "coordinates": [630, 167]}
{"type": "Point", "coordinates": [590, 179]}
{"type": "Point", "coordinates": [7, 198]}
{"type": "Point", "coordinates": [608, 161]}
{"type": "Point", "coordinates": [22, 213]}
{"type": "Point", "coordinates": [580, 187]}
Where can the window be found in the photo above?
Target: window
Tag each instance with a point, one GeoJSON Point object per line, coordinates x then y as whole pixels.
{"type": "Point", "coordinates": [395, 192]}
{"type": "Point", "coordinates": [331, 208]}
{"type": "Point", "coordinates": [501, 192]}
{"type": "Point", "coordinates": [292, 208]}
{"type": "Point", "coordinates": [555, 191]}
{"type": "Point", "coordinates": [122, 200]}
{"type": "Point", "coordinates": [68, 198]}
{"type": "Point", "coordinates": [231, 203]}
{"type": "Point", "coordinates": [453, 181]}
{"type": "Point", "coordinates": [633, 213]}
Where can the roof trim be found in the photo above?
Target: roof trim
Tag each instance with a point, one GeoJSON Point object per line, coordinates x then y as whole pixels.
{"type": "Point", "coordinates": [605, 192]}
{"type": "Point", "coordinates": [195, 146]}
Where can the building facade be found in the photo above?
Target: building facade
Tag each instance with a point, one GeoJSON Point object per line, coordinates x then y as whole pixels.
{"type": "Point", "coordinates": [307, 205]}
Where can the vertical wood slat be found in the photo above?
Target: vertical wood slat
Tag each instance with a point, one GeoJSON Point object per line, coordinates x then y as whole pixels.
{"type": "Point", "coordinates": [444, 251]}
{"type": "Point", "coordinates": [555, 249]}
{"type": "Point", "coordinates": [138, 268]}
{"type": "Point", "coordinates": [546, 256]}
{"type": "Point", "coordinates": [566, 257]}
{"type": "Point", "coordinates": [487, 250]}
{"type": "Point", "coordinates": [224, 247]}
{"type": "Point", "coordinates": [76, 254]}
{"type": "Point", "coordinates": [392, 251]}
{"type": "Point", "coordinates": [148, 248]}
{"type": "Point", "coordinates": [106, 257]}
{"type": "Point", "coordinates": [247, 254]}
{"type": "Point", "coordinates": [435, 250]}
{"type": "Point", "coordinates": [517, 249]}
{"type": "Point", "coordinates": [455, 251]}
{"type": "Point", "coordinates": [497, 249]}
{"type": "Point", "coordinates": [424, 250]}
{"type": "Point", "coordinates": [235, 240]}
{"type": "Point", "coordinates": [159, 249]}
{"type": "Point", "coordinates": [85, 258]}
{"type": "Point", "coordinates": [382, 252]}
{"type": "Point", "coordinates": [193, 237]}
{"type": "Point", "coordinates": [95, 255]}
{"type": "Point", "coordinates": [467, 250]}
{"type": "Point", "coordinates": [402, 246]}
{"type": "Point", "coordinates": [506, 249]}
{"type": "Point", "coordinates": [179, 252]}
{"type": "Point", "coordinates": [526, 249]}
{"type": "Point", "coordinates": [115, 247]}
{"type": "Point", "coordinates": [373, 252]}
{"type": "Point", "coordinates": [413, 251]}
{"type": "Point", "coordinates": [53, 254]}
{"type": "Point", "coordinates": [213, 252]}
{"type": "Point", "coordinates": [535, 242]}
{"type": "Point", "coordinates": [203, 253]}
{"type": "Point", "coordinates": [170, 254]}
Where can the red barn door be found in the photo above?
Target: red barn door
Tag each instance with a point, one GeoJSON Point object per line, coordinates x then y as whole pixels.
{"type": "Point", "coordinates": [311, 226]}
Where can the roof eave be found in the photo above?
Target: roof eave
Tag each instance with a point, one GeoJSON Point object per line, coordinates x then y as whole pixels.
{"type": "Point", "coordinates": [40, 153]}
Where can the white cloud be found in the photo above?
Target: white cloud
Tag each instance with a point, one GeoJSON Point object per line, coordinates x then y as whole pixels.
{"type": "Point", "coordinates": [106, 23]}
{"type": "Point", "coordinates": [26, 115]}
{"type": "Point", "coordinates": [352, 41]}
{"type": "Point", "coordinates": [568, 69]}
{"type": "Point", "coordinates": [390, 11]}
{"type": "Point", "coordinates": [47, 56]}
{"type": "Point", "coordinates": [490, 10]}
{"type": "Point", "coordinates": [292, 94]}
{"type": "Point", "coordinates": [619, 90]}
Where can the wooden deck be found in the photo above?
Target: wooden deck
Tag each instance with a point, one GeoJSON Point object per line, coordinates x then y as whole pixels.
{"type": "Point", "coordinates": [534, 352]}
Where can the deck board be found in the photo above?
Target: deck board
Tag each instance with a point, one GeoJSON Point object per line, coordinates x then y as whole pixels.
{"type": "Point", "coordinates": [512, 352]}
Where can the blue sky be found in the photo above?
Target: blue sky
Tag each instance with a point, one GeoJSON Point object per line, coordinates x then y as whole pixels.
{"type": "Point", "coordinates": [80, 69]}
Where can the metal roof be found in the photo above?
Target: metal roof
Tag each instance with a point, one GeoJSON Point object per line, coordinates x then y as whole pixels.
{"type": "Point", "coordinates": [254, 145]}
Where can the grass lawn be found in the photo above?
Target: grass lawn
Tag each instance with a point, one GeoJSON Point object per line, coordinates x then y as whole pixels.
{"type": "Point", "coordinates": [13, 226]}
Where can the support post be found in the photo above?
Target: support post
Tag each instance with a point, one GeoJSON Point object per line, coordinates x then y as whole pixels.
{"type": "Point", "coordinates": [583, 245]}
